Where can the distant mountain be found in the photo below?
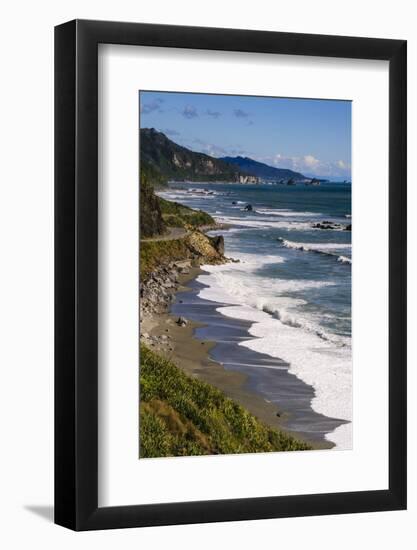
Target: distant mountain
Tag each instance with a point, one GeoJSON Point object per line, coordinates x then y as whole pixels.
{"type": "Point", "coordinates": [262, 170]}
{"type": "Point", "coordinates": [173, 161]}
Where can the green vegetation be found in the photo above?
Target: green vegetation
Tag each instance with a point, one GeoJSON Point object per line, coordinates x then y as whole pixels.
{"type": "Point", "coordinates": [181, 415]}
{"type": "Point", "coordinates": [177, 162]}
{"type": "Point", "coordinates": [153, 254]}
{"type": "Point", "coordinates": [150, 175]}
{"type": "Point", "coordinates": [151, 222]}
{"type": "Point", "coordinates": [156, 214]}
{"type": "Point", "coordinates": [178, 215]}
{"type": "Point", "coordinates": [195, 246]}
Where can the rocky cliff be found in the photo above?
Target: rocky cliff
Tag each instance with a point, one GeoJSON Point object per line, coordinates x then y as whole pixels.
{"type": "Point", "coordinates": [175, 162]}
{"type": "Point", "coordinates": [162, 263]}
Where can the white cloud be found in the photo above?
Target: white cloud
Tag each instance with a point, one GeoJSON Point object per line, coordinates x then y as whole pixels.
{"type": "Point", "coordinates": [208, 148]}
{"type": "Point", "coordinates": [309, 165]}
{"type": "Point", "coordinates": [311, 161]}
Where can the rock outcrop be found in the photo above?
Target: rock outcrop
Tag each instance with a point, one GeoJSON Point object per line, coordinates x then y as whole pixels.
{"type": "Point", "coordinates": [206, 249]}
{"type": "Point", "coordinates": [218, 244]}
{"type": "Point", "coordinates": [331, 225]}
{"type": "Point", "coordinates": [157, 291]}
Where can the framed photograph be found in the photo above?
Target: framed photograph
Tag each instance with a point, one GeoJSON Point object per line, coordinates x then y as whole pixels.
{"type": "Point", "coordinates": [230, 275]}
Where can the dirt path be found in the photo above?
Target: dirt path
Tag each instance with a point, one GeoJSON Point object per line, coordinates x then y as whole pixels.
{"type": "Point", "coordinates": [173, 234]}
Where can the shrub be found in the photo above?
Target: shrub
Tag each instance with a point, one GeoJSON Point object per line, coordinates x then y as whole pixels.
{"type": "Point", "coordinates": [181, 415]}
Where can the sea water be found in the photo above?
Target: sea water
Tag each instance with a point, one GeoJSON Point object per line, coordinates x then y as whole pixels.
{"type": "Point", "coordinates": [292, 281]}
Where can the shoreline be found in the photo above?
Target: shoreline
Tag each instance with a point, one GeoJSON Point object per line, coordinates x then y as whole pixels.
{"type": "Point", "coordinates": [160, 331]}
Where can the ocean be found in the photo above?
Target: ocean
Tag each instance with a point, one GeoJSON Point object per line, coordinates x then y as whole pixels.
{"type": "Point", "coordinates": [292, 284]}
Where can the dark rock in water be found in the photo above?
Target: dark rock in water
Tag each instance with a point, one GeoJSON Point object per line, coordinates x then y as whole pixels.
{"type": "Point", "coordinates": [182, 322]}
{"type": "Point", "coordinates": [234, 202]}
{"type": "Point", "coordinates": [326, 225]}
{"type": "Point", "coordinates": [348, 227]}
{"type": "Point", "coordinates": [248, 208]}
{"type": "Point", "coordinates": [218, 243]}
{"type": "Point", "coordinates": [321, 226]}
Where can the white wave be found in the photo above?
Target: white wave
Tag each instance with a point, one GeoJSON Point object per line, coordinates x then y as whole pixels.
{"type": "Point", "coordinates": [314, 246]}
{"type": "Point", "coordinates": [315, 361]}
{"type": "Point", "coordinates": [262, 223]}
{"type": "Point", "coordinates": [235, 284]}
{"type": "Point", "coordinates": [344, 260]}
{"type": "Point", "coordinates": [328, 249]}
{"type": "Point", "coordinates": [224, 287]}
{"type": "Point", "coordinates": [285, 212]}
{"type": "Point", "coordinates": [280, 329]}
{"type": "Point", "coordinates": [203, 192]}
{"type": "Point", "coordinates": [183, 195]}
{"type": "Point", "coordinates": [227, 231]}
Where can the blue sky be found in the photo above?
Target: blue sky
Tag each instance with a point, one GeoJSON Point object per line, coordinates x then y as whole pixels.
{"type": "Point", "coordinates": [308, 135]}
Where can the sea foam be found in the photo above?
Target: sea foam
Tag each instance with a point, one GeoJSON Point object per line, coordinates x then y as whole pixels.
{"type": "Point", "coordinates": [278, 329]}
{"type": "Point", "coordinates": [328, 249]}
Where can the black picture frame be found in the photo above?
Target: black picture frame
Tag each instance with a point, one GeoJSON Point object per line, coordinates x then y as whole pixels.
{"type": "Point", "coordinates": [76, 272]}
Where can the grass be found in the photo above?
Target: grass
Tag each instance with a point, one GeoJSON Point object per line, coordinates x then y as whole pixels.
{"type": "Point", "coordinates": [182, 416]}
{"type": "Point", "coordinates": [153, 254]}
{"type": "Point", "coordinates": [178, 215]}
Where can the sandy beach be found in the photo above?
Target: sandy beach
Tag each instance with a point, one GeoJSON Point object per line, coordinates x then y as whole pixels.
{"type": "Point", "coordinates": [162, 333]}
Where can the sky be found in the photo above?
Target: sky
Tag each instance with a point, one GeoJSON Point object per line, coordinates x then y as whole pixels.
{"type": "Point", "coordinates": [312, 136]}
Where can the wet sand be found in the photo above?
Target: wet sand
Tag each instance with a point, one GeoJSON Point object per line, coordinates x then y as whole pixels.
{"type": "Point", "coordinates": [208, 347]}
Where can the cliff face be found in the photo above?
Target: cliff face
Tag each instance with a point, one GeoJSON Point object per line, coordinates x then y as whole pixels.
{"type": "Point", "coordinates": [151, 222]}
{"type": "Point", "coordinates": [248, 179]}
{"type": "Point", "coordinates": [162, 262]}
{"type": "Point", "coordinates": [177, 162]}
{"type": "Point", "coordinates": [156, 214]}
{"type": "Point", "coordinates": [206, 249]}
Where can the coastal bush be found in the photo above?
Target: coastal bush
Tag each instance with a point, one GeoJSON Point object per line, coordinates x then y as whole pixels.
{"type": "Point", "coordinates": [151, 176]}
{"type": "Point", "coordinates": [193, 246]}
{"type": "Point", "coordinates": [156, 213]}
{"type": "Point", "coordinates": [151, 220]}
{"type": "Point", "coordinates": [178, 215]}
{"type": "Point", "coordinates": [181, 416]}
{"type": "Point", "coordinates": [179, 163]}
{"type": "Point", "coordinates": [153, 254]}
